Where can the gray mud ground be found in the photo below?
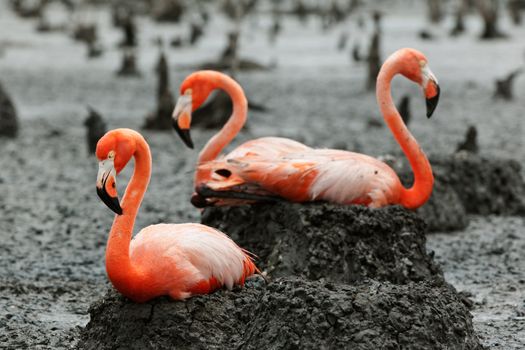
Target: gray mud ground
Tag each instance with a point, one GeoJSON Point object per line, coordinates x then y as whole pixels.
{"type": "Point", "coordinates": [53, 228]}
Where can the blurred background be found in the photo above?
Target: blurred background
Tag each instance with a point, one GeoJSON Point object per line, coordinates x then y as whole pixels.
{"type": "Point", "coordinates": [72, 69]}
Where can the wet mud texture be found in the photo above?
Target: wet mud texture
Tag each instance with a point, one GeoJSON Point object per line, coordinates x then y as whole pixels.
{"type": "Point", "coordinates": [289, 313]}
{"type": "Point", "coordinates": [325, 241]}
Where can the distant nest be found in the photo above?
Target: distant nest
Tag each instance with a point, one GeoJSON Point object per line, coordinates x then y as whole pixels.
{"type": "Point", "coordinates": [8, 115]}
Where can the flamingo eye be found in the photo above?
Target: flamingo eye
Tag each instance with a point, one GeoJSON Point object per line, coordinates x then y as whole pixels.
{"type": "Point", "coordinates": [223, 172]}
{"type": "Point", "coordinates": [111, 155]}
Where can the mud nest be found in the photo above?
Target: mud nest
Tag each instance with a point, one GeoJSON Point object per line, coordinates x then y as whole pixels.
{"type": "Point", "coordinates": [289, 313]}
{"type": "Point", "coordinates": [325, 241]}
{"type": "Point", "coordinates": [466, 183]}
{"type": "Point", "coordinates": [341, 277]}
{"type": "Point", "coordinates": [8, 115]}
{"type": "Point", "coordinates": [444, 211]}
{"type": "Point", "coordinates": [483, 185]}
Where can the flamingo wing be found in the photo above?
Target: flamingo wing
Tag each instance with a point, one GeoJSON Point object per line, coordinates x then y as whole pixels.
{"type": "Point", "coordinates": [268, 147]}
{"type": "Point", "coordinates": [188, 259]}
{"type": "Point", "coordinates": [330, 175]}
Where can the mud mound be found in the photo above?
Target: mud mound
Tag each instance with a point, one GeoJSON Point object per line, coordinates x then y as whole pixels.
{"type": "Point", "coordinates": [444, 211]}
{"type": "Point", "coordinates": [288, 313]}
{"type": "Point", "coordinates": [484, 185]}
{"type": "Point", "coordinates": [466, 183]}
{"type": "Point", "coordinates": [338, 243]}
{"type": "Point", "coordinates": [8, 115]}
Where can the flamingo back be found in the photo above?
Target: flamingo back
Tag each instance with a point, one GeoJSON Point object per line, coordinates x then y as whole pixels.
{"type": "Point", "coordinates": [329, 175]}
{"type": "Point", "coordinates": [188, 259]}
{"type": "Point", "coordinates": [261, 148]}
{"type": "Point", "coordinates": [268, 147]}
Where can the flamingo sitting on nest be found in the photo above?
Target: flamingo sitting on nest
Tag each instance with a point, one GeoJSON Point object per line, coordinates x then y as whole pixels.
{"type": "Point", "coordinates": [272, 168]}
{"type": "Point", "coordinates": [179, 260]}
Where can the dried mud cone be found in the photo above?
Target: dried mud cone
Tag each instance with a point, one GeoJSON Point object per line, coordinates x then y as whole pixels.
{"type": "Point", "coordinates": [435, 11]}
{"type": "Point", "coordinates": [459, 23]}
{"type": "Point", "coordinates": [404, 109]}
{"type": "Point", "coordinates": [331, 242]}
{"type": "Point", "coordinates": [489, 10]}
{"type": "Point", "coordinates": [163, 75]}
{"type": "Point", "coordinates": [444, 211]}
{"type": "Point", "coordinates": [289, 313]}
{"type": "Point", "coordinates": [8, 115]}
{"type": "Point", "coordinates": [96, 128]}
{"type": "Point", "coordinates": [374, 61]}
{"type": "Point", "coordinates": [470, 143]}
{"type": "Point", "coordinates": [161, 119]}
{"type": "Point", "coordinates": [128, 66]}
{"type": "Point", "coordinates": [504, 86]}
{"type": "Point", "coordinates": [484, 185]}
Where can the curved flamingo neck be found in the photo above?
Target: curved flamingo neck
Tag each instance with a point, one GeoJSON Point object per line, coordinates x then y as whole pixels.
{"type": "Point", "coordinates": [421, 190]}
{"type": "Point", "coordinates": [234, 124]}
{"type": "Point", "coordinates": [125, 277]}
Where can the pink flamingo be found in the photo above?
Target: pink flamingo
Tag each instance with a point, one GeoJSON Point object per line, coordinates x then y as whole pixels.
{"type": "Point", "coordinates": [274, 168]}
{"type": "Point", "coordinates": [179, 260]}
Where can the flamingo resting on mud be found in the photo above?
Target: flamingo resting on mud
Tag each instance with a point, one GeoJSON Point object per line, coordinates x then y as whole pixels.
{"type": "Point", "coordinates": [179, 260]}
{"type": "Point", "coordinates": [273, 168]}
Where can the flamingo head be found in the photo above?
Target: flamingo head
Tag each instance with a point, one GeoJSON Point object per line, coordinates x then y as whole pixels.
{"type": "Point", "coordinates": [114, 150]}
{"type": "Point", "coordinates": [415, 67]}
{"type": "Point", "coordinates": [182, 117]}
{"type": "Point", "coordinates": [194, 91]}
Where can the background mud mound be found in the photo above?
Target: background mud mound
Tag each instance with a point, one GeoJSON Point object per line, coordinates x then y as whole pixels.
{"type": "Point", "coordinates": [484, 185]}
{"type": "Point", "coordinates": [444, 211]}
{"type": "Point", "coordinates": [339, 243]}
{"type": "Point", "coordinates": [466, 183]}
{"type": "Point", "coordinates": [289, 314]}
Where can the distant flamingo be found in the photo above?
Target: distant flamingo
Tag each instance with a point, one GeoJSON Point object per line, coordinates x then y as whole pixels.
{"type": "Point", "coordinates": [273, 168]}
{"type": "Point", "coordinates": [179, 260]}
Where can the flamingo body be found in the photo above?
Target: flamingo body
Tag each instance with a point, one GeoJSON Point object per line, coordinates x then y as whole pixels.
{"type": "Point", "coordinates": [277, 167]}
{"type": "Point", "coordinates": [309, 175]}
{"type": "Point", "coordinates": [179, 260]}
{"type": "Point", "coordinates": [182, 260]}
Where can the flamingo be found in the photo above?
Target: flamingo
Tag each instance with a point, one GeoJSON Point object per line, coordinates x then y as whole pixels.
{"type": "Point", "coordinates": [178, 260]}
{"type": "Point", "coordinates": [272, 168]}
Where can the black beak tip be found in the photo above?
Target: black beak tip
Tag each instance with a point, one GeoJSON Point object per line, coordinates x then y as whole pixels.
{"type": "Point", "coordinates": [432, 103]}
{"type": "Point", "coordinates": [198, 201]}
{"type": "Point", "coordinates": [111, 202]}
{"type": "Point", "coordinates": [184, 134]}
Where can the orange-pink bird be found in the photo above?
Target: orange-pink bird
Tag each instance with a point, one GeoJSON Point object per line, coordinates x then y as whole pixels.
{"type": "Point", "coordinates": [272, 168]}
{"type": "Point", "coordinates": [179, 260]}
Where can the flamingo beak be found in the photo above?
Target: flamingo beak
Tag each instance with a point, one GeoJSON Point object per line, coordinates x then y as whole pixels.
{"type": "Point", "coordinates": [182, 118]}
{"type": "Point", "coordinates": [431, 90]}
{"type": "Point", "coordinates": [107, 187]}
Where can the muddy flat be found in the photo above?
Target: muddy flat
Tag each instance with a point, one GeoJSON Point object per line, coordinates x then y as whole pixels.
{"type": "Point", "coordinates": [53, 228]}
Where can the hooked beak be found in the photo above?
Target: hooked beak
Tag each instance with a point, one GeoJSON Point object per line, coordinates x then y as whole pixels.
{"type": "Point", "coordinates": [431, 90]}
{"type": "Point", "coordinates": [182, 118]}
{"type": "Point", "coordinates": [184, 134]}
{"type": "Point", "coordinates": [107, 187]}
